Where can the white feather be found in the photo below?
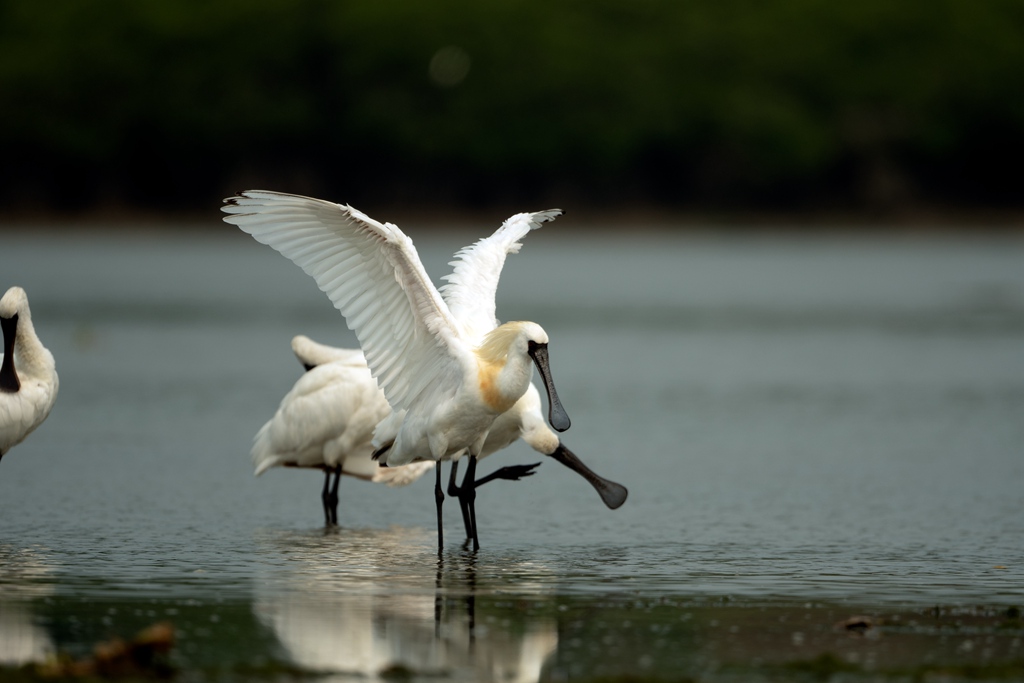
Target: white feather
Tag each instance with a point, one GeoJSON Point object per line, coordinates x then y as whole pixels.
{"type": "Point", "coordinates": [328, 418]}
{"type": "Point", "coordinates": [311, 353]}
{"type": "Point", "coordinates": [360, 264]}
{"type": "Point", "coordinates": [473, 283]}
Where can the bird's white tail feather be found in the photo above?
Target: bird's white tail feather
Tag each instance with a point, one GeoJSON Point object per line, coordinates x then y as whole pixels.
{"type": "Point", "coordinates": [404, 475]}
{"type": "Point", "coordinates": [263, 457]}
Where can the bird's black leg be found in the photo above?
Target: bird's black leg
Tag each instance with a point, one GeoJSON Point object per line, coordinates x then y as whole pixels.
{"type": "Point", "coordinates": [439, 500]}
{"type": "Point", "coordinates": [509, 473]}
{"type": "Point", "coordinates": [467, 497]}
{"type": "Point", "coordinates": [456, 491]}
{"type": "Point", "coordinates": [325, 496]}
{"type": "Point", "coordinates": [333, 496]}
{"type": "Point", "coordinates": [453, 490]}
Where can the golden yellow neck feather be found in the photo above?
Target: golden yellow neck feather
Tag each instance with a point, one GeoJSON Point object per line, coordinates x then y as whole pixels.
{"type": "Point", "coordinates": [494, 348]}
{"type": "Point", "coordinates": [488, 384]}
{"type": "Point", "coordinates": [491, 357]}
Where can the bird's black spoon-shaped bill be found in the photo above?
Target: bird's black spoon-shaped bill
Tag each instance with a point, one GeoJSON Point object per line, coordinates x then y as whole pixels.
{"type": "Point", "coordinates": [557, 416]}
{"type": "Point", "coordinates": [8, 375]}
{"type": "Point", "coordinates": [9, 382]}
{"type": "Point", "coordinates": [613, 495]}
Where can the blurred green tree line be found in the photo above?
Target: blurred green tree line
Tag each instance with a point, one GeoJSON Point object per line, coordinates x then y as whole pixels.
{"type": "Point", "coordinates": [785, 104]}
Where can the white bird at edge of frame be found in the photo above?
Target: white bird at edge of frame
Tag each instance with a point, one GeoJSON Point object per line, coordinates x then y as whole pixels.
{"type": "Point", "coordinates": [448, 369]}
{"type": "Point", "coordinates": [28, 373]}
{"type": "Point", "coordinates": [326, 422]}
{"type": "Point", "coordinates": [523, 421]}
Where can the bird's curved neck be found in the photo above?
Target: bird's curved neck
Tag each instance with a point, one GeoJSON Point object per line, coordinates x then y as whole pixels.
{"type": "Point", "coordinates": [502, 383]}
{"type": "Point", "coordinates": [9, 382]}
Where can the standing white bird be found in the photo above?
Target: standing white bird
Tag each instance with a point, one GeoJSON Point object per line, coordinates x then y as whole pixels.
{"type": "Point", "coordinates": [28, 373]}
{"type": "Point", "coordinates": [326, 422]}
{"type": "Point", "coordinates": [447, 373]}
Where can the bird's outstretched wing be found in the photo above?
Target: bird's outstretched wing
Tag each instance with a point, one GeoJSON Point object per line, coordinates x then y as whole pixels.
{"type": "Point", "coordinates": [471, 286]}
{"type": "Point", "coordinates": [374, 276]}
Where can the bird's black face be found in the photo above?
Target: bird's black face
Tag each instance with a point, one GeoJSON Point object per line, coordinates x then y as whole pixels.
{"type": "Point", "coordinates": [9, 382]}
{"type": "Point", "coordinates": [557, 416]}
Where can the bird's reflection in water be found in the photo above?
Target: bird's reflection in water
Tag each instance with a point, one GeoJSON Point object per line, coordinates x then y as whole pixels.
{"type": "Point", "coordinates": [22, 640]}
{"type": "Point", "coordinates": [379, 604]}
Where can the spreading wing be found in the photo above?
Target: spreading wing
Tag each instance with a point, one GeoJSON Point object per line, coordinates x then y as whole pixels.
{"type": "Point", "coordinates": [372, 273]}
{"type": "Point", "coordinates": [471, 287]}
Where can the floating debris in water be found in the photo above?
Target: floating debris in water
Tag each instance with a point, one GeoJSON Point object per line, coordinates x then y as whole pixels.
{"type": "Point", "coordinates": [144, 656]}
{"type": "Point", "coordinates": [859, 625]}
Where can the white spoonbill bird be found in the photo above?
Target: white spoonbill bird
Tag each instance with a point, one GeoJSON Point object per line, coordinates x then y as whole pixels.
{"type": "Point", "coordinates": [28, 373]}
{"type": "Point", "coordinates": [326, 422]}
{"type": "Point", "coordinates": [447, 373]}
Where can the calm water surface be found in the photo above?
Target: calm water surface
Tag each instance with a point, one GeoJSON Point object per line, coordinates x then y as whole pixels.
{"type": "Point", "coordinates": [810, 428]}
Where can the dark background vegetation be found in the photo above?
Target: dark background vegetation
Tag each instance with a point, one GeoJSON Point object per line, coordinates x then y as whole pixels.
{"type": "Point", "coordinates": [873, 107]}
